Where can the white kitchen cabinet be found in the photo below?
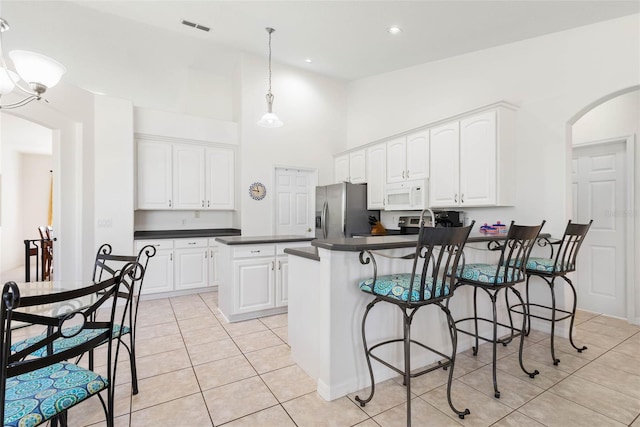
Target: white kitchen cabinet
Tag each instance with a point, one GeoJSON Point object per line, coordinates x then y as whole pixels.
{"type": "Point", "coordinates": [154, 175]}
{"type": "Point", "coordinates": [191, 264]}
{"type": "Point", "coordinates": [213, 262]}
{"type": "Point", "coordinates": [254, 279]}
{"type": "Point", "coordinates": [376, 175]}
{"type": "Point", "coordinates": [350, 167]}
{"type": "Point", "coordinates": [188, 176]}
{"type": "Point", "coordinates": [184, 176]}
{"type": "Point", "coordinates": [220, 176]}
{"type": "Point", "coordinates": [158, 276]}
{"type": "Point", "coordinates": [408, 157]}
{"type": "Point", "coordinates": [472, 160]}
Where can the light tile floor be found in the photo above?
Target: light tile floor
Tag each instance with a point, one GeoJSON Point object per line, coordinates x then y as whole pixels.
{"type": "Point", "coordinates": [197, 370]}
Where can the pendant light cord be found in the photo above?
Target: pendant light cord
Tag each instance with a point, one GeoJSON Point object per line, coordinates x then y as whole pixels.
{"type": "Point", "coordinates": [270, 30]}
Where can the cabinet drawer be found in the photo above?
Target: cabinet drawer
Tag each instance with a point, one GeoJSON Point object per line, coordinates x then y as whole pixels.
{"type": "Point", "coordinates": [282, 246]}
{"type": "Point", "coordinates": [190, 243]}
{"type": "Point", "coordinates": [158, 244]}
{"type": "Point", "coordinates": [254, 251]}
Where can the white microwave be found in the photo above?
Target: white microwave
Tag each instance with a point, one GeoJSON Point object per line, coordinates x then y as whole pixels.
{"type": "Point", "coordinates": [407, 195]}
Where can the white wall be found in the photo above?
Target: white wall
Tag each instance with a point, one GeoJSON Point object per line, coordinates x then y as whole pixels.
{"type": "Point", "coordinates": [313, 109]}
{"type": "Point", "coordinates": [550, 78]}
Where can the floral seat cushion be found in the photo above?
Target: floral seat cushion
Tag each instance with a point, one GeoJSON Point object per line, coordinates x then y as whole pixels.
{"type": "Point", "coordinates": [64, 343]}
{"type": "Point", "coordinates": [486, 273]}
{"type": "Point", "coordinates": [545, 265]}
{"type": "Point", "coordinates": [37, 396]}
{"type": "Point", "coordinates": [397, 286]}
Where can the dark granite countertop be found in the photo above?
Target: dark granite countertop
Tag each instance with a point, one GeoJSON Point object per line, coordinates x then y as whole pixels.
{"type": "Point", "coordinates": [355, 244]}
{"type": "Point", "coordinates": [256, 240]}
{"type": "Point", "coordinates": [310, 252]}
{"type": "Point", "coordinates": [186, 234]}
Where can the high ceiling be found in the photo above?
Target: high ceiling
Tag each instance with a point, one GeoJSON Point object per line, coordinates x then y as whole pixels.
{"type": "Point", "coordinates": [344, 39]}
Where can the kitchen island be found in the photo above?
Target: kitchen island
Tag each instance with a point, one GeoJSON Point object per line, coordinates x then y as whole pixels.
{"type": "Point", "coordinates": [253, 272]}
{"type": "Point", "coordinates": [326, 308]}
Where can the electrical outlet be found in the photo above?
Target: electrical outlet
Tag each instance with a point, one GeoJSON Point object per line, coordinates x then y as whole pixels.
{"type": "Point", "coordinates": [197, 214]}
{"type": "Point", "coordinates": [104, 223]}
{"type": "Point", "coordinates": [184, 222]}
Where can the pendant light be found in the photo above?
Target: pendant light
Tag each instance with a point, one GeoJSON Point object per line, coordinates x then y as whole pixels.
{"type": "Point", "coordinates": [269, 119]}
{"type": "Point", "coordinates": [39, 72]}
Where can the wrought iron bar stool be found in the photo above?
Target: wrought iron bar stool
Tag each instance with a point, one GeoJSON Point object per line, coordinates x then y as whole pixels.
{"type": "Point", "coordinates": [549, 269]}
{"type": "Point", "coordinates": [493, 278]}
{"type": "Point", "coordinates": [437, 253]}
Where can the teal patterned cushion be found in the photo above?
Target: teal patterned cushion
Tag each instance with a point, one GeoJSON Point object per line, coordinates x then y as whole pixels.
{"type": "Point", "coordinates": [486, 273]}
{"type": "Point", "coordinates": [397, 286]}
{"type": "Point", "coordinates": [64, 343]}
{"type": "Point", "coordinates": [37, 396]}
{"type": "Point", "coordinates": [544, 265]}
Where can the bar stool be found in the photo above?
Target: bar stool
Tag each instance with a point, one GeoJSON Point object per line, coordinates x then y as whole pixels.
{"type": "Point", "coordinates": [493, 278]}
{"type": "Point", "coordinates": [548, 269]}
{"type": "Point", "coordinates": [430, 282]}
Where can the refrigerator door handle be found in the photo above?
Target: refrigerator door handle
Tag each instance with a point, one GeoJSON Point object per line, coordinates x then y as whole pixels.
{"type": "Point", "coordinates": [323, 220]}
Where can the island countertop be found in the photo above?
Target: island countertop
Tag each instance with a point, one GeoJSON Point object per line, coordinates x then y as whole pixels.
{"type": "Point", "coordinates": [257, 240]}
{"type": "Point", "coordinates": [355, 244]}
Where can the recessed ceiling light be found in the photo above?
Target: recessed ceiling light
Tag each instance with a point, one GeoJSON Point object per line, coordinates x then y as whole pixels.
{"type": "Point", "coordinates": [308, 61]}
{"type": "Point", "coordinates": [394, 30]}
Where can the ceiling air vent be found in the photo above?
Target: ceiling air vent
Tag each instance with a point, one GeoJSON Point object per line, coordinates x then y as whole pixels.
{"type": "Point", "coordinates": [194, 25]}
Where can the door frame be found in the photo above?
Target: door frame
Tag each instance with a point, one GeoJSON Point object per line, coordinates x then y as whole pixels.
{"type": "Point", "coordinates": [313, 172]}
{"type": "Point", "coordinates": [629, 142]}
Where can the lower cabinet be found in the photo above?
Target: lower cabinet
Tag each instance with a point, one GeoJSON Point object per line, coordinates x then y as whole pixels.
{"type": "Point", "coordinates": [180, 265]}
{"type": "Point", "coordinates": [259, 281]}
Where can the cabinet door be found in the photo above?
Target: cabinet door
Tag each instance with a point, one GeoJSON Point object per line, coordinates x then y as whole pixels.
{"type": "Point", "coordinates": [376, 176]}
{"type": "Point", "coordinates": [213, 266]}
{"type": "Point", "coordinates": [154, 182]}
{"type": "Point", "coordinates": [220, 175]}
{"type": "Point", "coordinates": [282, 281]}
{"type": "Point", "coordinates": [253, 284]}
{"type": "Point", "coordinates": [188, 177]}
{"type": "Point", "coordinates": [357, 167]}
{"type": "Point", "coordinates": [341, 169]}
{"type": "Point", "coordinates": [191, 267]}
{"type": "Point", "coordinates": [158, 277]}
{"type": "Point", "coordinates": [396, 160]}
{"type": "Point", "coordinates": [418, 155]}
{"type": "Point", "coordinates": [478, 163]}
{"type": "Point", "coordinates": [445, 163]}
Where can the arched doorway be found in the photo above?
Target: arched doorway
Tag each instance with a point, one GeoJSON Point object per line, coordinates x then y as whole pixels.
{"type": "Point", "coordinates": [604, 186]}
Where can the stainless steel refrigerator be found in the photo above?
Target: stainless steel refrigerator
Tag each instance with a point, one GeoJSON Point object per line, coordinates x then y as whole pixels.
{"type": "Point", "coordinates": [341, 210]}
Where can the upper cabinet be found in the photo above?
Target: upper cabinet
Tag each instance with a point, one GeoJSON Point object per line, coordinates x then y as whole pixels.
{"type": "Point", "coordinates": [184, 176]}
{"type": "Point", "coordinates": [408, 157]}
{"type": "Point", "coordinates": [350, 167]}
{"type": "Point", "coordinates": [472, 160]}
{"type": "Point", "coordinates": [376, 176]}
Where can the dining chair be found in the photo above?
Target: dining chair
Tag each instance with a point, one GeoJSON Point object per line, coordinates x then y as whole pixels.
{"type": "Point", "coordinates": [430, 282]}
{"type": "Point", "coordinates": [108, 265]}
{"type": "Point", "coordinates": [494, 278]}
{"type": "Point", "coordinates": [35, 390]}
{"type": "Point", "coordinates": [557, 265]}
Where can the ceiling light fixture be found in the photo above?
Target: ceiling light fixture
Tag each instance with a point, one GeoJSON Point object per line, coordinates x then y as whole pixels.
{"type": "Point", "coordinates": [394, 30]}
{"type": "Point", "coordinates": [39, 72]}
{"type": "Point", "coordinates": [269, 119]}
{"type": "Point", "coordinates": [308, 61]}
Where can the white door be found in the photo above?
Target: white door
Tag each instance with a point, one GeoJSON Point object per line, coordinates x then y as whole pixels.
{"type": "Point", "coordinates": [191, 268]}
{"type": "Point", "coordinates": [159, 274]}
{"type": "Point", "coordinates": [478, 160]}
{"type": "Point", "coordinates": [253, 285]}
{"type": "Point", "coordinates": [282, 281]}
{"type": "Point", "coordinates": [599, 193]}
{"type": "Point", "coordinates": [295, 196]}
{"type": "Point", "coordinates": [341, 169]}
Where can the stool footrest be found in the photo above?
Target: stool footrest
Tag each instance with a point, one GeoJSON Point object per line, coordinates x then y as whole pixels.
{"type": "Point", "coordinates": [440, 364]}
{"type": "Point", "coordinates": [515, 332]}
{"type": "Point", "coordinates": [517, 308]}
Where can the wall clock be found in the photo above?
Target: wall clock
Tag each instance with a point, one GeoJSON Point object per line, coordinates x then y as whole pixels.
{"type": "Point", "coordinates": [257, 191]}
